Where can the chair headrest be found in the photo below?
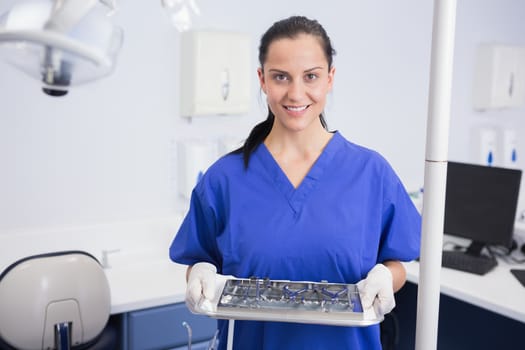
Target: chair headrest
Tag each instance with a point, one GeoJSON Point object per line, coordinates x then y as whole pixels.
{"type": "Point", "coordinates": [40, 291]}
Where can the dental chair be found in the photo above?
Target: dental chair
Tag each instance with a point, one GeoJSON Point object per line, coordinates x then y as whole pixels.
{"type": "Point", "coordinates": [55, 301]}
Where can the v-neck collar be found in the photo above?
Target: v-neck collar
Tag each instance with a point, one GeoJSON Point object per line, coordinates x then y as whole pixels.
{"type": "Point", "coordinates": [296, 196]}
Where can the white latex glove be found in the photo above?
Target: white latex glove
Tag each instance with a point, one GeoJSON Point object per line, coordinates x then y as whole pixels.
{"type": "Point", "coordinates": [204, 288]}
{"type": "Point", "coordinates": [377, 290]}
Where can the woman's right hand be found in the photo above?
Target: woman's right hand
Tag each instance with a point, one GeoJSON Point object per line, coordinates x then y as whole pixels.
{"type": "Point", "coordinates": [204, 288]}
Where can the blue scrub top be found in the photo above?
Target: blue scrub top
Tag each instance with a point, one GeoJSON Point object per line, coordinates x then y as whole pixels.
{"type": "Point", "coordinates": [349, 213]}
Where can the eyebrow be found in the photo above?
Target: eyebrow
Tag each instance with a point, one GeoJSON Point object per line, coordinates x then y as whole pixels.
{"type": "Point", "coordinates": [284, 72]}
{"type": "Point", "coordinates": [314, 68]}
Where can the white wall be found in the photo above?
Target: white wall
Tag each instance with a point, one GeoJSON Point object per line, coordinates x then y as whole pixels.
{"type": "Point", "coordinates": [104, 152]}
{"type": "Point", "coordinates": [485, 21]}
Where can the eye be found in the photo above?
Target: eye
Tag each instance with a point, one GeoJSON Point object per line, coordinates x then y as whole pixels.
{"type": "Point", "coordinates": [311, 76]}
{"type": "Point", "coordinates": [280, 77]}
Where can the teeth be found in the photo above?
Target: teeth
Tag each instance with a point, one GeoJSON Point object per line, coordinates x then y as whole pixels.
{"type": "Point", "coordinates": [296, 109]}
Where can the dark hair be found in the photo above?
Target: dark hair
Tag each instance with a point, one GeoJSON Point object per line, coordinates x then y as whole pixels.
{"type": "Point", "coordinates": [287, 28]}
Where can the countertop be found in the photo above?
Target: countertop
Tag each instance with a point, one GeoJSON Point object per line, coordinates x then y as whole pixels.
{"type": "Point", "coordinates": [146, 284]}
{"type": "Point", "coordinates": [142, 276]}
{"type": "Point", "coordinates": [134, 255]}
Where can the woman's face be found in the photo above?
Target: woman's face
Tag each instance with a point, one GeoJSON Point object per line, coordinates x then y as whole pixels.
{"type": "Point", "coordinates": [296, 80]}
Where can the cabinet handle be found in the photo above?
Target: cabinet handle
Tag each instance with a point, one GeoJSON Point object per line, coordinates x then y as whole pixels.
{"type": "Point", "coordinates": [188, 328]}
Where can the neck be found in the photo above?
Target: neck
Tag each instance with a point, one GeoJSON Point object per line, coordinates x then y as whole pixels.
{"type": "Point", "coordinates": [303, 144]}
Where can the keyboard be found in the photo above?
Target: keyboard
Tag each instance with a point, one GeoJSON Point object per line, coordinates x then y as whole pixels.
{"type": "Point", "coordinates": [458, 260]}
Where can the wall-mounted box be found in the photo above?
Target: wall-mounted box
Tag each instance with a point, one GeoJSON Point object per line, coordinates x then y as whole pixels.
{"type": "Point", "coordinates": [215, 73]}
{"type": "Point", "coordinates": [508, 147]}
{"type": "Point", "coordinates": [499, 77]}
{"type": "Point", "coordinates": [194, 158]}
{"type": "Point", "coordinates": [483, 145]}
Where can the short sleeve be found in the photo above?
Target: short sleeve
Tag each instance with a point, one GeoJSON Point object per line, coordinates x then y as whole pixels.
{"type": "Point", "coordinates": [195, 240]}
{"type": "Point", "coordinates": [401, 234]}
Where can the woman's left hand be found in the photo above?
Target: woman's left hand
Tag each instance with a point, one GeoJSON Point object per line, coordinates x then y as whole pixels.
{"type": "Point", "coordinates": [377, 290]}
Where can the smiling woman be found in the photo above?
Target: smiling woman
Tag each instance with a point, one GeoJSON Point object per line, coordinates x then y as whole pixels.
{"type": "Point", "coordinates": [296, 79]}
{"type": "Point", "coordinates": [298, 202]}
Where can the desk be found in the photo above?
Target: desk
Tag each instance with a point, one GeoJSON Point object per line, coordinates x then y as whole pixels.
{"type": "Point", "coordinates": [476, 312]}
{"type": "Point", "coordinates": [146, 284]}
{"type": "Point", "coordinates": [498, 291]}
{"type": "Point", "coordinates": [147, 297]}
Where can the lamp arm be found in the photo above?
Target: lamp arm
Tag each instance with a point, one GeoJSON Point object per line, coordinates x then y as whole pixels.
{"type": "Point", "coordinates": [67, 13]}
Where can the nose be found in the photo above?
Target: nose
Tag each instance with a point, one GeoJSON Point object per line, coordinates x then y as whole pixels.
{"type": "Point", "coordinates": [296, 90]}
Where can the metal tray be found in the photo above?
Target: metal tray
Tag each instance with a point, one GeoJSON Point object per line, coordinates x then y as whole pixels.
{"type": "Point", "coordinates": [291, 301]}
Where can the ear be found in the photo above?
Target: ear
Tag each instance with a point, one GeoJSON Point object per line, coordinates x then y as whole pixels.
{"type": "Point", "coordinates": [262, 82]}
{"type": "Point", "coordinates": [331, 74]}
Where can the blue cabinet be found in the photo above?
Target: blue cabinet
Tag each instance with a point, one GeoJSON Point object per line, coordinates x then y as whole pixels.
{"type": "Point", "coordinates": [199, 346]}
{"type": "Point", "coordinates": [162, 328]}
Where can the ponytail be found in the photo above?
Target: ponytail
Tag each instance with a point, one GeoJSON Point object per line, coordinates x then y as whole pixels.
{"type": "Point", "coordinates": [258, 135]}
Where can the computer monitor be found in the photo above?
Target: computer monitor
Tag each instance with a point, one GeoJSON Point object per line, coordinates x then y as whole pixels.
{"type": "Point", "coordinates": [481, 203]}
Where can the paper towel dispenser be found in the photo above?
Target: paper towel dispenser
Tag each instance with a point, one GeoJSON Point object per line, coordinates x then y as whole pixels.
{"type": "Point", "coordinates": [215, 73]}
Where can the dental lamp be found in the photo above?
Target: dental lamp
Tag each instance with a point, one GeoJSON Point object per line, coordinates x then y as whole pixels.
{"type": "Point", "coordinates": [181, 12]}
{"type": "Point", "coordinates": [61, 43]}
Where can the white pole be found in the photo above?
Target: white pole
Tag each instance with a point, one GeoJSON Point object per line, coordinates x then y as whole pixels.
{"type": "Point", "coordinates": [435, 173]}
{"type": "Point", "coordinates": [231, 327]}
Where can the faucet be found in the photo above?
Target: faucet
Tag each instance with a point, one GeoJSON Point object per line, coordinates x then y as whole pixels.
{"type": "Point", "coordinates": [105, 260]}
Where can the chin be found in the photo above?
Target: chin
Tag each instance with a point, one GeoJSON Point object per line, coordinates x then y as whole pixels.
{"type": "Point", "coordinates": [300, 125]}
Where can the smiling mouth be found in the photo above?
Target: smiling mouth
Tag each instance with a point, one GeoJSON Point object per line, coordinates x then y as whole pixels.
{"type": "Point", "coordinates": [296, 108]}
